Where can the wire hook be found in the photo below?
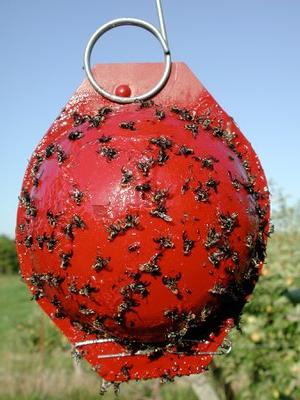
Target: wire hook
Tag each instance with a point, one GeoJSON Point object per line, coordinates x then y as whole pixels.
{"type": "Point", "coordinates": [160, 35]}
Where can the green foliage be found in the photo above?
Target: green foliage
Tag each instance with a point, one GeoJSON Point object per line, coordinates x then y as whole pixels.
{"type": "Point", "coordinates": [8, 256]}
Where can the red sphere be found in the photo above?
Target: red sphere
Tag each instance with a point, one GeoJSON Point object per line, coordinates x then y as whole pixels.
{"type": "Point", "coordinates": [123, 91]}
{"type": "Point", "coordinates": [142, 224]}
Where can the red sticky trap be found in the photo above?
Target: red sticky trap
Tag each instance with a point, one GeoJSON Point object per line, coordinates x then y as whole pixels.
{"type": "Point", "coordinates": [142, 228]}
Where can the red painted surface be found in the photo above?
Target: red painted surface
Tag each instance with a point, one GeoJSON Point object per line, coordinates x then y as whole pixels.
{"type": "Point", "coordinates": [85, 269]}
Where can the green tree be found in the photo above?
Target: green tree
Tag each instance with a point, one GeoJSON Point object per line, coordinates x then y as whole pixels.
{"type": "Point", "coordinates": [8, 256]}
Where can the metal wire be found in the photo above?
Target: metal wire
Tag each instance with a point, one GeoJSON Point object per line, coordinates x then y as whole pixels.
{"type": "Point", "coordinates": [224, 349]}
{"type": "Point", "coordinates": [160, 35]}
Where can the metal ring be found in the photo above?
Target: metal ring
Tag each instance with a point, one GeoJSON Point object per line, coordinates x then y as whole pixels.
{"type": "Point", "coordinates": [121, 22]}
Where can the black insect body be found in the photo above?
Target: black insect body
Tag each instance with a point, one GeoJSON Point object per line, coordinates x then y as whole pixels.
{"type": "Point", "coordinates": [68, 231]}
{"type": "Point", "coordinates": [137, 287]}
{"type": "Point", "coordinates": [193, 128]}
{"type": "Point", "coordinates": [130, 125]}
{"type": "Point", "coordinates": [127, 176]}
{"type": "Point", "coordinates": [213, 238]}
{"type": "Point", "coordinates": [87, 290]}
{"type": "Point", "coordinates": [164, 242]}
{"type": "Point", "coordinates": [134, 247]}
{"type": "Point", "coordinates": [124, 307]}
{"type": "Point", "coordinates": [79, 119]}
{"type": "Point", "coordinates": [160, 196]}
{"type": "Point", "coordinates": [166, 378]}
{"type": "Point", "coordinates": [104, 111]}
{"type": "Point", "coordinates": [173, 314]}
{"type": "Point", "coordinates": [160, 115]}
{"type": "Point", "coordinates": [83, 309]}
{"type": "Point", "coordinates": [261, 212]}
{"type": "Point", "coordinates": [36, 166]}
{"type": "Point", "coordinates": [50, 150]}
{"type": "Point", "coordinates": [185, 151]}
{"type": "Point", "coordinates": [104, 139]}
{"type": "Point", "coordinates": [38, 294]}
{"type": "Point", "coordinates": [41, 239]}
{"type": "Point", "coordinates": [145, 103]}
{"type": "Point", "coordinates": [96, 120]}
{"type": "Point", "coordinates": [213, 184]}
{"type": "Point", "coordinates": [249, 187]}
{"type": "Point", "coordinates": [188, 244]}
{"type": "Point", "coordinates": [151, 267]}
{"type": "Point", "coordinates": [65, 259]}
{"type": "Point", "coordinates": [36, 280]}
{"type": "Point", "coordinates": [28, 241]}
{"type": "Point", "coordinates": [30, 209]}
{"type": "Point", "coordinates": [208, 162]}
{"type": "Point", "coordinates": [172, 283]}
{"type": "Point", "coordinates": [51, 243]}
{"type": "Point", "coordinates": [205, 313]}
{"type": "Point", "coordinates": [145, 164]}
{"type": "Point", "coordinates": [161, 212]}
{"type": "Point", "coordinates": [164, 144]}
{"type": "Point", "coordinates": [61, 155]}
{"type": "Point", "coordinates": [186, 186]}
{"type": "Point", "coordinates": [144, 187]}
{"type": "Point", "coordinates": [159, 199]}
{"type": "Point", "coordinates": [35, 181]}
{"type": "Point", "coordinates": [125, 371]}
{"type": "Point", "coordinates": [218, 290]}
{"type": "Point", "coordinates": [101, 263]}
{"type": "Point", "coordinates": [250, 241]}
{"type": "Point", "coordinates": [73, 289]}
{"type": "Point", "coordinates": [77, 355]}
{"type": "Point", "coordinates": [184, 114]}
{"type": "Point", "coordinates": [155, 354]}
{"type": "Point", "coordinates": [130, 221]}
{"type": "Point", "coordinates": [162, 157]}
{"type": "Point", "coordinates": [216, 257]}
{"type": "Point", "coordinates": [205, 123]}
{"type": "Point", "coordinates": [21, 227]}
{"type": "Point", "coordinates": [59, 312]}
{"type": "Point", "coordinates": [235, 258]}
{"type": "Point", "coordinates": [228, 222]}
{"type": "Point", "coordinates": [77, 196]}
{"type": "Point", "coordinates": [219, 132]}
{"type": "Point", "coordinates": [53, 280]}
{"type": "Point", "coordinates": [52, 219]}
{"type": "Point", "coordinates": [98, 324]}
{"type": "Point", "coordinates": [115, 230]}
{"type": "Point", "coordinates": [235, 182]}
{"type": "Point", "coordinates": [109, 152]}
{"type": "Point", "coordinates": [75, 135]}
{"type": "Point", "coordinates": [78, 222]}
{"type": "Point", "coordinates": [201, 194]}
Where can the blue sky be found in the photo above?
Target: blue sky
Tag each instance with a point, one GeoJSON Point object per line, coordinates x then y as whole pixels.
{"type": "Point", "coordinates": [246, 53]}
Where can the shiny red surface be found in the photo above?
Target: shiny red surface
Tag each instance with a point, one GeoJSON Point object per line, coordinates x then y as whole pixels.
{"type": "Point", "coordinates": [123, 91]}
{"type": "Point", "coordinates": [106, 201]}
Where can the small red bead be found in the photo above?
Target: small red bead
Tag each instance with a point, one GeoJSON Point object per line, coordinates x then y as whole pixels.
{"type": "Point", "coordinates": [123, 91]}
